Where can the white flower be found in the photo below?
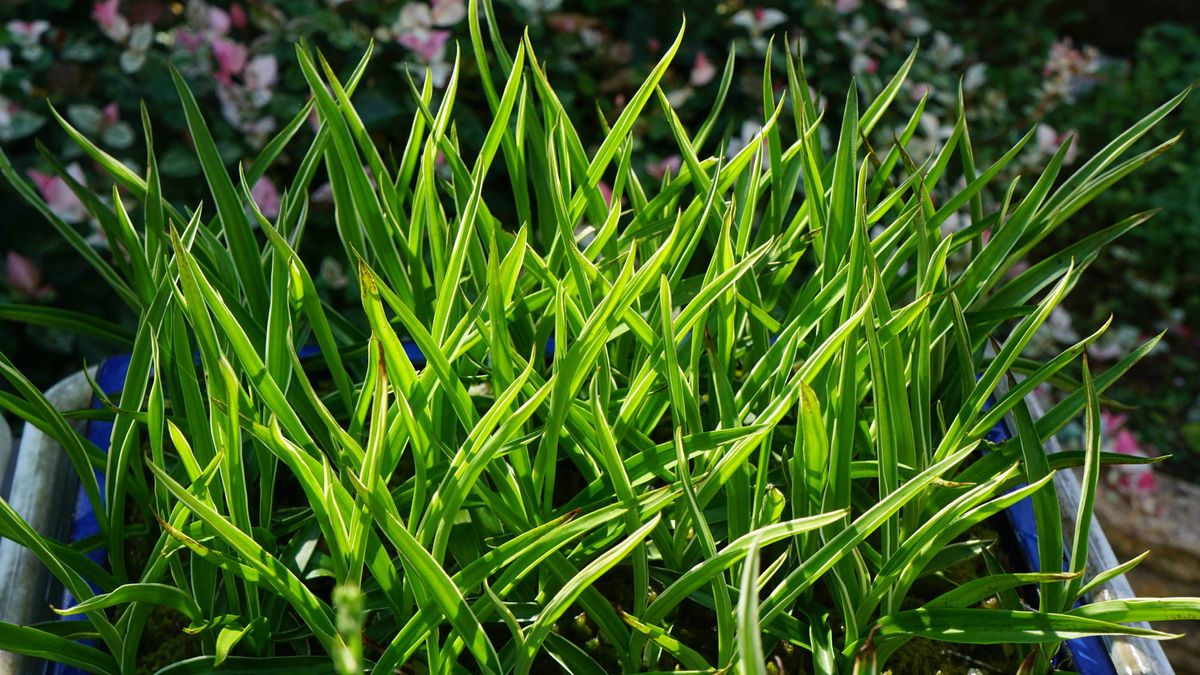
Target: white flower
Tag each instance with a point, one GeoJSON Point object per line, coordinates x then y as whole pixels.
{"type": "Point", "coordinates": [540, 6]}
{"type": "Point", "coordinates": [419, 16]}
{"type": "Point", "coordinates": [237, 107]}
{"type": "Point", "coordinates": [975, 76]}
{"type": "Point", "coordinates": [1049, 141]}
{"type": "Point", "coordinates": [1115, 343]}
{"type": "Point", "coordinates": [448, 12]}
{"type": "Point", "coordinates": [134, 56]}
{"type": "Point", "coordinates": [749, 133]}
{"type": "Point", "coordinates": [860, 36]}
{"type": "Point", "coordinates": [677, 97]}
{"type": "Point", "coordinates": [28, 36]}
{"type": "Point", "coordinates": [5, 60]}
{"type": "Point", "coordinates": [945, 53]}
{"type": "Point", "coordinates": [1058, 330]}
{"type": "Point", "coordinates": [332, 273]}
{"type": "Point", "coordinates": [758, 21]}
{"type": "Point", "coordinates": [413, 17]}
{"type": "Point", "coordinates": [15, 121]}
{"type": "Point", "coordinates": [260, 76]}
{"type": "Point", "coordinates": [915, 25]}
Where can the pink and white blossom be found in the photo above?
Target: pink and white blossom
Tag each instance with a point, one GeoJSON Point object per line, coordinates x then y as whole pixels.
{"type": "Point", "coordinates": [758, 20]}
{"type": "Point", "coordinates": [188, 40]}
{"type": "Point", "coordinates": [703, 70]}
{"type": "Point", "coordinates": [1049, 141]}
{"type": "Point", "coordinates": [429, 45]}
{"type": "Point", "coordinates": [28, 36]}
{"type": "Point", "coordinates": [667, 165]}
{"type": "Point", "coordinates": [58, 195]}
{"type": "Point", "coordinates": [134, 56]}
{"type": "Point", "coordinates": [24, 277]}
{"type": "Point", "coordinates": [259, 76]}
{"type": "Point", "coordinates": [266, 196]}
{"type": "Point", "coordinates": [420, 28]}
{"type": "Point", "coordinates": [112, 23]}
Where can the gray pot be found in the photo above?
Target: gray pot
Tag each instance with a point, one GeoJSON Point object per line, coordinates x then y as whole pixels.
{"type": "Point", "coordinates": [42, 490]}
{"type": "Point", "coordinates": [1130, 655]}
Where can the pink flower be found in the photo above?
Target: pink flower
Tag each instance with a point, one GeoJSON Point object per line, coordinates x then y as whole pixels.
{"type": "Point", "coordinates": [323, 195]}
{"type": "Point", "coordinates": [231, 58]}
{"type": "Point", "coordinates": [1136, 481]}
{"type": "Point", "coordinates": [669, 164]}
{"type": "Point", "coordinates": [112, 23]}
{"type": "Point", "coordinates": [1132, 480]}
{"type": "Point", "coordinates": [189, 40]}
{"type": "Point", "coordinates": [568, 22]}
{"type": "Point", "coordinates": [1112, 422]}
{"type": "Point", "coordinates": [58, 195]}
{"type": "Point", "coordinates": [24, 277]}
{"type": "Point", "coordinates": [703, 70]}
{"type": "Point", "coordinates": [605, 191]}
{"type": "Point", "coordinates": [111, 114]}
{"type": "Point", "coordinates": [266, 195]}
{"type": "Point", "coordinates": [426, 44]}
{"type": "Point", "coordinates": [237, 16]}
{"type": "Point", "coordinates": [1126, 443]}
{"type": "Point", "coordinates": [846, 6]}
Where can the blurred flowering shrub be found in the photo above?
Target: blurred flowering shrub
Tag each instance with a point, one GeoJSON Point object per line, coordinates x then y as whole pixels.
{"type": "Point", "coordinates": [97, 60]}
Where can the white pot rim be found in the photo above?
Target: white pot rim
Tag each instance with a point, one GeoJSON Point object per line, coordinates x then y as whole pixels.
{"type": "Point", "coordinates": [42, 492]}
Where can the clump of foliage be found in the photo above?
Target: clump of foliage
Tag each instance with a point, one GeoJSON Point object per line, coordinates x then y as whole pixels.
{"type": "Point", "coordinates": [760, 425]}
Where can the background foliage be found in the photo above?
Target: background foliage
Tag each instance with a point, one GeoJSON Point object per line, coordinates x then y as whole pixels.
{"type": "Point", "coordinates": [1024, 62]}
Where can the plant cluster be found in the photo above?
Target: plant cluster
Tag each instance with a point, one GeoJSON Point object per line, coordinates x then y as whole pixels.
{"type": "Point", "coordinates": [733, 418]}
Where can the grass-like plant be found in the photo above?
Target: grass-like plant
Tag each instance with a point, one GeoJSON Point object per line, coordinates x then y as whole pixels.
{"type": "Point", "coordinates": [758, 435]}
